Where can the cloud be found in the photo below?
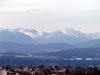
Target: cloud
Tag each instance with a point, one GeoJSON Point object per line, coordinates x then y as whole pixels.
{"type": "Point", "coordinates": [30, 11]}
{"type": "Point", "coordinates": [95, 12]}
{"type": "Point", "coordinates": [2, 2]}
{"type": "Point", "coordinates": [49, 14]}
{"type": "Point", "coordinates": [91, 12]}
{"type": "Point", "coordinates": [37, 10]}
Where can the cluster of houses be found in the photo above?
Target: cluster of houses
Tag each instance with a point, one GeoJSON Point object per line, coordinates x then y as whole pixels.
{"type": "Point", "coordinates": [49, 70]}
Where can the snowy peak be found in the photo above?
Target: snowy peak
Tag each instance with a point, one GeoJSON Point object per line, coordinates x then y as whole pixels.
{"type": "Point", "coordinates": [10, 35]}
{"type": "Point", "coordinates": [21, 35]}
{"type": "Point", "coordinates": [33, 33]}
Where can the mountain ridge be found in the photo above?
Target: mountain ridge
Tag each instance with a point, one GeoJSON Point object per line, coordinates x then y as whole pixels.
{"type": "Point", "coordinates": [33, 36]}
{"type": "Point", "coordinates": [33, 48]}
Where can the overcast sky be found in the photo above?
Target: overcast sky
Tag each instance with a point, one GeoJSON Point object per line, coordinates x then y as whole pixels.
{"type": "Point", "coordinates": [50, 15]}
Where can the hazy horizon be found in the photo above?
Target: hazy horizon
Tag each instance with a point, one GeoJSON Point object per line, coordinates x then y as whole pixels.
{"type": "Point", "coordinates": [51, 15]}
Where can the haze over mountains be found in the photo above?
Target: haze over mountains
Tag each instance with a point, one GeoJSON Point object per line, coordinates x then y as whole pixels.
{"type": "Point", "coordinates": [30, 41]}
{"type": "Point", "coordinates": [33, 48]}
{"type": "Point", "coordinates": [33, 36]}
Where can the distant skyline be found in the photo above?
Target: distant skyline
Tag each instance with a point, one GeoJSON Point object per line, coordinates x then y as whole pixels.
{"type": "Point", "coordinates": [51, 15]}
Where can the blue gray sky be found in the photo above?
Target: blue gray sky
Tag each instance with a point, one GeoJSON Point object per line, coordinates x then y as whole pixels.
{"type": "Point", "coordinates": [51, 15]}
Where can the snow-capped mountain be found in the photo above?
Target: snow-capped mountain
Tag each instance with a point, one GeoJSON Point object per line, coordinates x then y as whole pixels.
{"type": "Point", "coordinates": [33, 33]}
{"type": "Point", "coordinates": [9, 35]}
{"type": "Point", "coordinates": [29, 36]}
{"type": "Point", "coordinates": [70, 36]}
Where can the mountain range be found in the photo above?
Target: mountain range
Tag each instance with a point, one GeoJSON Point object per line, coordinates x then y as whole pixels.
{"type": "Point", "coordinates": [76, 53]}
{"type": "Point", "coordinates": [33, 48]}
{"type": "Point", "coordinates": [32, 41]}
{"type": "Point", "coordinates": [34, 36]}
